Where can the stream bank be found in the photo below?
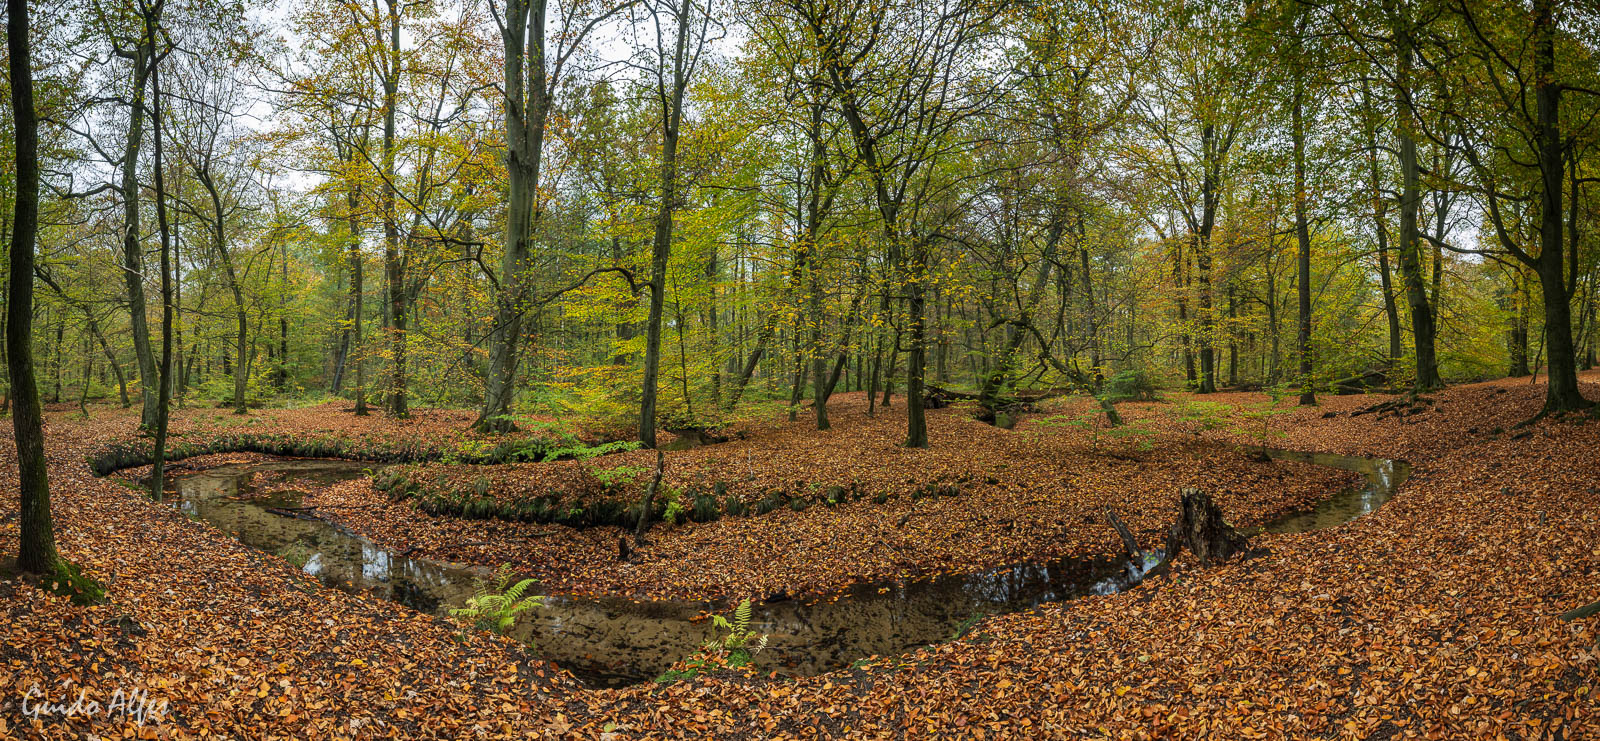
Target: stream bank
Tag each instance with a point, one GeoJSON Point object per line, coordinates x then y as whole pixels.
{"type": "Point", "coordinates": [614, 641]}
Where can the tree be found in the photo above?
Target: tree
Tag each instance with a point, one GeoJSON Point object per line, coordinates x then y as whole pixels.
{"type": "Point", "coordinates": [907, 79]}
{"type": "Point", "coordinates": [141, 53]}
{"type": "Point", "coordinates": [1522, 128]}
{"type": "Point", "coordinates": [37, 544]}
{"type": "Point", "coordinates": [680, 40]}
{"type": "Point", "coordinates": [533, 73]}
{"type": "Point", "coordinates": [1298, 62]}
{"type": "Point", "coordinates": [210, 150]}
{"type": "Point", "coordinates": [1196, 103]}
{"type": "Point", "coordinates": [1409, 247]}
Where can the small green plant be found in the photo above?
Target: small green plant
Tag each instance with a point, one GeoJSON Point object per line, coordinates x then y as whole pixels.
{"type": "Point", "coordinates": [1257, 419]}
{"type": "Point", "coordinates": [1135, 433]}
{"type": "Point", "coordinates": [616, 477]}
{"type": "Point", "coordinates": [582, 452]}
{"type": "Point", "coordinates": [496, 603]}
{"type": "Point", "coordinates": [673, 512]}
{"type": "Point", "coordinates": [1086, 421]}
{"type": "Point", "coordinates": [735, 649]}
{"type": "Point", "coordinates": [1204, 415]}
{"type": "Point", "coordinates": [740, 637]}
{"type": "Point", "coordinates": [1132, 384]}
{"type": "Point", "coordinates": [296, 554]}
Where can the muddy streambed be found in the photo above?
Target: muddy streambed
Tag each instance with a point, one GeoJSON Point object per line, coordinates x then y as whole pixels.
{"type": "Point", "coordinates": [614, 641]}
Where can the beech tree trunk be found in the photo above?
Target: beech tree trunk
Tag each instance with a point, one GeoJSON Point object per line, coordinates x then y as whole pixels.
{"type": "Point", "coordinates": [1302, 231]}
{"type": "Point", "coordinates": [1422, 319]}
{"type": "Point", "coordinates": [132, 250]}
{"type": "Point", "coordinates": [671, 99]}
{"type": "Point", "coordinates": [1561, 388]}
{"type": "Point", "coordinates": [526, 104]}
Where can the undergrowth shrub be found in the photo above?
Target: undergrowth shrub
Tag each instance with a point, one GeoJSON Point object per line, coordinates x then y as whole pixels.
{"type": "Point", "coordinates": [1132, 384]}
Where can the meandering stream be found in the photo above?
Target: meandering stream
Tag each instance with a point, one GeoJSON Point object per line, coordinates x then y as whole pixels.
{"type": "Point", "coordinates": [615, 641]}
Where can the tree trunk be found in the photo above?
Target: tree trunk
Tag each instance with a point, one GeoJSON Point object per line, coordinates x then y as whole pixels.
{"type": "Point", "coordinates": [1517, 331]}
{"type": "Point", "coordinates": [1561, 387]}
{"type": "Point", "coordinates": [649, 499]}
{"type": "Point", "coordinates": [1391, 310]}
{"type": "Point", "coordinates": [1202, 529]}
{"type": "Point", "coordinates": [164, 393]}
{"type": "Point", "coordinates": [132, 250]}
{"type": "Point", "coordinates": [1422, 320]}
{"type": "Point", "coordinates": [37, 542]}
{"type": "Point", "coordinates": [661, 244]}
{"type": "Point", "coordinates": [1005, 364]}
{"type": "Point", "coordinates": [525, 113]}
{"type": "Point", "coordinates": [394, 270]}
{"type": "Point", "coordinates": [356, 296]}
{"type": "Point", "coordinates": [1209, 200]}
{"type": "Point", "coordinates": [1302, 230]}
{"type": "Point", "coordinates": [750, 365]}
{"type": "Point", "coordinates": [916, 356]}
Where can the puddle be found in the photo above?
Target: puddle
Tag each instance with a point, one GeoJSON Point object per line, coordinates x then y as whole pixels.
{"type": "Point", "coordinates": [616, 641]}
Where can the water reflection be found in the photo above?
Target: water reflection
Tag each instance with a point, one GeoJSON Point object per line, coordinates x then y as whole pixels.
{"type": "Point", "coordinates": [1380, 478]}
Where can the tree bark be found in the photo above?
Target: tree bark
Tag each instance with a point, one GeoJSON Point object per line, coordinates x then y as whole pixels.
{"type": "Point", "coordinates": [394, 270]}
{"type": "Point", "coordinates": [1561, 386]}
{"type": "Point", "coordinates": [356, 296]}
{"type": "Point", "coordinates": [671, 100]}
{"type": "Point", "coordinates": [164, 393]}
{"type": "Point", "coordinates": [1302, 230]}
{"type": "Point", "coordinates": [649, 499]}
{"type": "Point", "coordinates": [1202, 529]}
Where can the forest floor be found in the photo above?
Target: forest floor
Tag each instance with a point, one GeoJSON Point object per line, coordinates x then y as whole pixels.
{"type": "Point", "coordinates": [1433, 617]}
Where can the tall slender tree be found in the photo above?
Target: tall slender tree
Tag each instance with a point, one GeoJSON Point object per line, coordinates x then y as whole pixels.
{"type": "Point", "coordinates": [37, 546]}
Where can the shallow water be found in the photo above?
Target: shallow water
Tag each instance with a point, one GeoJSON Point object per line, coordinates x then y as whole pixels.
{"type": "Point", "coordinates": [614, 641]}
{"type": "Point", "coordinates": [1380, 478]}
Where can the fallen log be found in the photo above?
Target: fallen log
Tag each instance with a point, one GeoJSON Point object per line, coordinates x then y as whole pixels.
{"type": "Point", "coordinates": [1582, 612]}
{"type": "Point", "coordinates": [1129, 544]}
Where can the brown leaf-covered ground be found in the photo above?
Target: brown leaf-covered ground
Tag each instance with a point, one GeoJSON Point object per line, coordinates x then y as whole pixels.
{"type": "Point", "coordinates": [1433, 617]}
{"type": "Point", "coordinates": [1032, 494]}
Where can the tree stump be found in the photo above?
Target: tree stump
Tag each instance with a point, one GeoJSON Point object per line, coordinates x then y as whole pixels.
{"type": "Point", "coordinates": [1201, 529]}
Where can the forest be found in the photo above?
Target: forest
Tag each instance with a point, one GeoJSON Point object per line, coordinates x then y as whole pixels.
{"type": "Point", "coordinates": [800, 368]}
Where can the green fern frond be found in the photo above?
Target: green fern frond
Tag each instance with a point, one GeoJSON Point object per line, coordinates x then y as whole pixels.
{"type": "Point", "coordinates": [496, 603]}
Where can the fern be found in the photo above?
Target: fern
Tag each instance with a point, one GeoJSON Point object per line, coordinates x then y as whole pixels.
{"type": "Point", "coordinates": [496, 603]}
{"type": "Point", "coordinates": [739, 637]}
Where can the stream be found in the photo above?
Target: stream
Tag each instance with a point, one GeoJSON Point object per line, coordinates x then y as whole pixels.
{"type": "Point", "coordinates": [614, 641]}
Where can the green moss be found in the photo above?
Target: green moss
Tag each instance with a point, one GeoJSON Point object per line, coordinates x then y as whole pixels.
{"type": "Point", "coordinates": [67, 580]}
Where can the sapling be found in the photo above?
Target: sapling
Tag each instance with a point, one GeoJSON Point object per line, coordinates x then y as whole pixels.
{"type": "Point", "coordinates": [1262, 413]}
